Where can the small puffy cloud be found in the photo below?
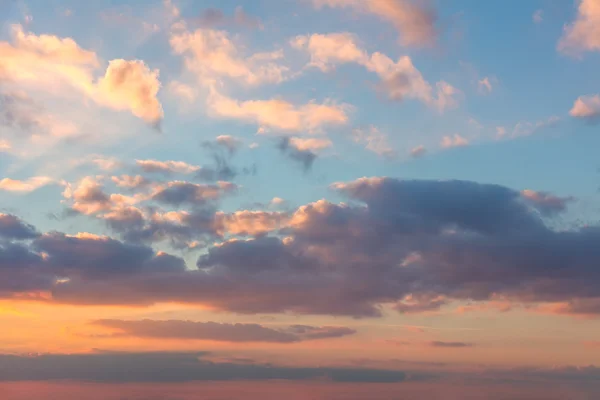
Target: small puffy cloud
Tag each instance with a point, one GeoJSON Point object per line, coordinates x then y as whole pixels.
{"type": "Point", "coordinates": [418, 151]}
{"type": "Point", "coordinates": [278, 114]}
{"type": "Point", "coordinates": [227, 142]}
{"type": "Point", "coordinates": [131, 85]}
{"type": "Point", "coordinates": [374, 140]}
{"type": "Point", "coordinates": [586, 107]}
{"type": "Point", "coordinates": [484, 85]}
{"type": "Point", "coordinates": [24, 186]}
{"type": "Point", "coordinates": [166, 167]}
{"type": "Point", "coordinates": [413, 20]}
{"type": "Point", "coordinates": [454, 141]}
{"type": "Point", "coordinates": [538, 16]}
{"type": "Point", "coordinates": [583, 34]}
{"type": "Point", "coordinates": [221, 332]}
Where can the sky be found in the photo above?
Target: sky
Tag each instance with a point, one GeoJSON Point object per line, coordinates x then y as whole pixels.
{"type": "Point", "coordinates": [337, 199]}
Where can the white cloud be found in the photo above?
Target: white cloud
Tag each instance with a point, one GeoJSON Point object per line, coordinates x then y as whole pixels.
{"type": "Point", "coordinates": [374, 140]}
{"type": "Point", "coordinates": [28, 185]}
{"type": "Point", "coordinates": [538, 16]}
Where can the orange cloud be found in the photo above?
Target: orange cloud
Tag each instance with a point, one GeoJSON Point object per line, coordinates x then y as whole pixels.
{"type": "Point", "coordinates": [28, 185]}
{"type": "Point", "coordinates": [48, 62]}
{"type": "Point", "coordinates": [414, 22]}
{"type": "Point", "coordinates": [279, 114]}
{"type": "Point", "coordinates": [454, 141]}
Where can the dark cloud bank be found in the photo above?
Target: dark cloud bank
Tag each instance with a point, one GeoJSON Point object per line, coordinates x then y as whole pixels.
{"type": "Point", "coordinates": [413, 244]}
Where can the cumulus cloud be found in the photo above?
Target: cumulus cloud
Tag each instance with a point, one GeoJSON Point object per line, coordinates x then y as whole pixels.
{"type": "Point", "coordinates": [583, 34]}
{"type": "Point", "coordinates": [24, 186]}
{"type": "Point", "coordinates": [374, 140]}
{"type": "Point", "coordinates": [586, 107]}
{"type": "Point", "coordinates": [212, 55]}
{"type": "Point", "coordinates": [221, 332]}
{"type": "Point", "coordinates": [47, 61]}
{"type": "Point", "coordinates": [399, 79]}
{"type": "Point", "coordinates": [12, 227]}
{"type": "Point", "coordinates": [132, 86]}
{"type": "Point", "coordinates": [454, 141]}
{"type": "Point", "coordinates": [413, 245]}
{"type": "Point", "coordinates": [418, 151]}
{"type": "Point", "coordinates": [414, 21]}
{"type": "Point", "coordinates": [280, 115]}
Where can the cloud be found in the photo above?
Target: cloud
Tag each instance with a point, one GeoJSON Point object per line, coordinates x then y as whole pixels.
{"type": "Point", "coordinates": [221, 332]}
{"type": "Point", "coordinates": [280, 115]}
{"type": "Point", "coordinates": [418, 151]}
{"type": "Point", "coordinates": [413, 20]}
{"type": "Point", "coordinates": [228, 142]}
{"type": "Point", "coordinates": [538, 16]}
{"type": "Point", "coordinates": [49, 62]}
{"type": "Point", "coordinates": [182, 91]}
{"type": "Point", "coordinates": [299, 150]}
{"type": "Point", "coordinates": [179, 192]}
{"type": "Point", "coordinates": [583, 34]}
{"type": "Point", "coordinates": [586, 107]}
{"type": "Point", "coordinates": [415, 245]}
{"type": "Point", "coordinates": [131, 85]}
{"type": "Point", "coordinates": [24, 186]}
{"type": "Point", "coordinates": [249, 223]}
{"type": "Point", "coordinates": [11, 227]}
{"type": "Point", "coordinates": [454, 141]}
{"type": "Point", "coordinates": [106, 366]}
{"type": "Point", "coordinates": [166, 167]}
{"type": "Point", "coordinates": [212, 56]}
{"type": "Point", "coordinates": [450, 344]}
{"type": "Point", "coordinates": [374, 140]}
{"type": "Point", "coordinates": [546, 203]}
{"type": "Point", "coordinates": [484, 85]}
{"type": "Point", "coordinates": [213, 16]}
{"type": "Point", "coordinates": [399, 80]}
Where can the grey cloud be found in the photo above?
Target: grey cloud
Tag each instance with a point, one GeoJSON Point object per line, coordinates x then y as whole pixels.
{"type": "Point", "coordinates": [305, 157]}
{"type": "Point", "coordinates": [222, 332]}
{"type": "Point", "coordinates": [168, 367]}
{"type": "Point", "coordinates": [415, 244]}
{"type": "Point", "coordinates": [178, 193]}
{"type": "Point", "coordinates": [11, 227]}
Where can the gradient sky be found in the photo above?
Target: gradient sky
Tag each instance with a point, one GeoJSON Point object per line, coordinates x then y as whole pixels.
{"type": "Point", "coordinates": [350, 191]}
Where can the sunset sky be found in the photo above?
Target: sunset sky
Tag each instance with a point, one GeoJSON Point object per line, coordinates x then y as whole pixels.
{"type": "Point", "coordinates": [324, 199]}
